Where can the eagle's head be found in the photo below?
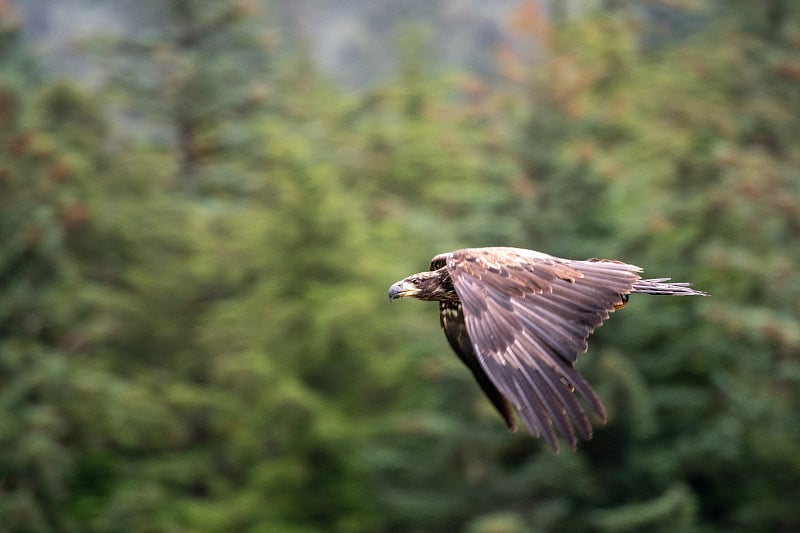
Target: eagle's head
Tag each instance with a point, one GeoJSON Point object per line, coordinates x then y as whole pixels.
{"type": "Point", "coordinates": [431, 286]}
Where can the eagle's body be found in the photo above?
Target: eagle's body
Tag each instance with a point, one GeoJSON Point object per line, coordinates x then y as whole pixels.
{"type": "Point", "coordinates": [518, 318]}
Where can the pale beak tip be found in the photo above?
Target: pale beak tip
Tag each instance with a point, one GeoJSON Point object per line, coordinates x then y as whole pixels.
{"type": "Point", "coordinates": [394, 290]}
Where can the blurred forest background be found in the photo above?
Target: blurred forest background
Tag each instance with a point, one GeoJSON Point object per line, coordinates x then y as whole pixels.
{"type": "Point", "coordinates": [202, 204]}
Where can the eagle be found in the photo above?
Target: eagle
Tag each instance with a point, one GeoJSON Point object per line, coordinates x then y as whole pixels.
{"type": "Point", "coordinates": [518, 318]}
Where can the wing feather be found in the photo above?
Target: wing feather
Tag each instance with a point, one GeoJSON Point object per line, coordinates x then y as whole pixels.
{"type": "Point", "coordinates": [527, 411]}
{"type": "Point", "coordinates": [569, 401]}
{"type": "Point", "coordinates": [452, 321]}
{"type": "Point", "coordinates": [554, 412]}
{"type": "Point", "coordinates": [528, 315]}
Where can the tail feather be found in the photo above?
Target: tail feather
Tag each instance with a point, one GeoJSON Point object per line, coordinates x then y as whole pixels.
{"type": "Point", "coordinates": [659, 287]}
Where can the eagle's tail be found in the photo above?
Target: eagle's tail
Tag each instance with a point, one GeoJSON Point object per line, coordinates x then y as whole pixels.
{"type": "Point", "coordinates": [658, 286]}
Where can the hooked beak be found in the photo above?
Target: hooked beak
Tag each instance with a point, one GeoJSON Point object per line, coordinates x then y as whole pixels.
{"type": "Point", "coordinates": [402, 289]}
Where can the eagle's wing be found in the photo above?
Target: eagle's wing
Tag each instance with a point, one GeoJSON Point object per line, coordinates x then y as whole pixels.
{"type": "Point", "coordinates": [528, 315]}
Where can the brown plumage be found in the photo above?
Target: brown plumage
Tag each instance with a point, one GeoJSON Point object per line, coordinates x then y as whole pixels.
{"type": "Point", "coordinates": [518, 318]}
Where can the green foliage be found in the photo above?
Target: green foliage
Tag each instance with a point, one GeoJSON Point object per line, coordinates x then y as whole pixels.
{"type": "Point", "coordinates": [209, 348]}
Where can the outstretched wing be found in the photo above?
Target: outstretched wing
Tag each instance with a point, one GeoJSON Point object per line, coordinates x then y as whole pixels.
{"type": "Point", "coordinates": [528, 315]}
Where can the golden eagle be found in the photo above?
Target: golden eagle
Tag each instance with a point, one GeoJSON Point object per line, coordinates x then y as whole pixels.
{"type": "Point", "coordinates": [518, 318]}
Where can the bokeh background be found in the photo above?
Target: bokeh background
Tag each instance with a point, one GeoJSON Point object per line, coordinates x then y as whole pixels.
{"type": "Point", "coordinates": [202, 204]}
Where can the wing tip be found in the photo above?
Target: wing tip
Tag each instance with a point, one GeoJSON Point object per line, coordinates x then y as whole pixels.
{"type": "Point", "coordinates": [511, 421]}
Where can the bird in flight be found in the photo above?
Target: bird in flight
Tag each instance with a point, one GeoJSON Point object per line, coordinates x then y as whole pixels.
{"type": "Point", "coordinates": [518, 318]}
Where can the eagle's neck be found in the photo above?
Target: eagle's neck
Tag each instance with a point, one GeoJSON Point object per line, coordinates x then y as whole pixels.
{"type": "Point", "coordinates": [436, 285]}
